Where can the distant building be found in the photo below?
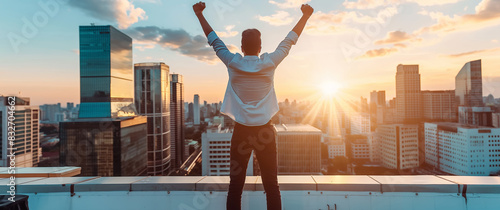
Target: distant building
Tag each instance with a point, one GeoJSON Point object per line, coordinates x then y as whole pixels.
{"type": "Point", "coordinates": [48, 112]}
{"type": "Point", "coordinates": [26, 128]}
{"type": "Point", "coordinates": [481, 116]}
{"type": "Point", "coordinates": [336, 147]}
{"type": "Point", "coordinates": [439, 105]}
{"type": "Point", "coordinates": [377, 107]}
{"type": "Point", "coordinates": [177, 119]}
{"type": "Point", "coordinates": [219, 120]}
{"type": "Point", "coordinates": [357, 147]}
{"type": "Point", "coordinates": [196, 109]}
{"type": "Point", "coordinates": [106, 73]}
{"type": "Point", "coordinates": [360, 123]}
{"type": "Point", "coordinates": [152, 99]}
{"type": "Point", "coordinates": [70, 106]}
{"type": "Point", "coordinates": [216, 147]}
{"type": "Point", "coordinates": [463, 149]}
{"type": "Point", "coordinates": [408, 97]}
{"type": "Point", "coordinates": [496, 120]}
{"type": "Point", "coordinates": [105, 146]}
{"type": "Point", "coordinates": [398, 146]}
{"type": "Point", "coordinates": [469, 85]}
{"type": "Point", "coordinates": [374, 143]}
{"type": "Point", "coordinates": [299, 149]}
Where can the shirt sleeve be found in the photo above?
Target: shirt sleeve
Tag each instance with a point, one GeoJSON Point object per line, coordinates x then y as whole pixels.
{"type": "Point", "coordinates": [220, 48]}
{"type": "Point", "coordinates": [284, 47]}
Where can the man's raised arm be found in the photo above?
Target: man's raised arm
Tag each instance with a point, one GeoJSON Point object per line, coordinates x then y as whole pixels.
{"type": "Point", "coordinates": [213, 40]}
{"type": "Point", "coordinates": [306, 14]}
{"type": "Point", "coordinates": [198, 10]}
{"type": "Point", "coordinates": [284, 47]}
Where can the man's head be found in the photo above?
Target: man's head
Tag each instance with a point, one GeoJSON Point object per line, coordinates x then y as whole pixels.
{"type": "Point", "coordinates": [250, 42]}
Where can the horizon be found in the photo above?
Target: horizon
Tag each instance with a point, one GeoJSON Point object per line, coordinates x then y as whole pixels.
{"type": "Point", "coordinates": [342, 41]}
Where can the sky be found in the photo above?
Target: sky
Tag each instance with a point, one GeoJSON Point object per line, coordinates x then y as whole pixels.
{"type": "Point", "coordinates": [356, 44]}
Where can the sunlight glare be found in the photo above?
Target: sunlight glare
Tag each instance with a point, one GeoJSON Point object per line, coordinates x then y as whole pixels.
{"type": "Point", "coordinates": [329, 88]}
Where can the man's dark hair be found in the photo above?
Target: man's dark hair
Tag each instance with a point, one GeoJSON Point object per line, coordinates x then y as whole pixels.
{"type": "Point", "coordinates": [250, 41]}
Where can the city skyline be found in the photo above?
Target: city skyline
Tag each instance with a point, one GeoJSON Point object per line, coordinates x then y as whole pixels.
{"type": "Point", "coordinates": [433, 48]}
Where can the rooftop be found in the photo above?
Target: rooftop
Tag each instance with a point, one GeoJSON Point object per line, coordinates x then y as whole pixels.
{"type": "Point", "coordinates": [298, 192]}
{"type": "Point", "coordinates": [66, 171]}
{"type": "Point", "coordinates": [295, 128]}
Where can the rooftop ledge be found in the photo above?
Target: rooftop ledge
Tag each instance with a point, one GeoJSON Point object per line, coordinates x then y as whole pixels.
{"type": "Point", "coordinates": [298, 192]}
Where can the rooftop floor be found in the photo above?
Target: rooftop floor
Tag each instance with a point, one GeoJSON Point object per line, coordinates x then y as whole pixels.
{"type": "Point", "coordinates": [298, 192]}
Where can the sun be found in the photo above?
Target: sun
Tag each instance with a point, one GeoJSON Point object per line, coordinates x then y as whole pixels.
{"type": "Point", "coordinates": [329, 88]}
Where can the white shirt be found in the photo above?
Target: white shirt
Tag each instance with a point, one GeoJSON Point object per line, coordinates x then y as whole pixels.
{"type": "Point", "coordinates": [250, 98]}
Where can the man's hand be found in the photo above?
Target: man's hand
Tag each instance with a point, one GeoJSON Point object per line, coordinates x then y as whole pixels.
{"type": "Point", "coordinates": [306, 10]}
{"type": "Point", "coordinates": [199, 7]}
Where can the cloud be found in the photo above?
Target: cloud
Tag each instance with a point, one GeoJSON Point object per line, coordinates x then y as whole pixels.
{"type": "Point", "coordinates": [278, 19]}
{"type": "Point", "coordinates": [122, 12]}
{"type": "Point", "coordinates": [379, 52]}
{"type": "Point", "coordinates": [474, 52]}
{"type": "Point", "coordinates": [177, 40]}
{"type": "Point", "coordinates": [228, 33]}
{"type": "Point", "coordinates": [487, 13]}
{"type": "Point", "coordinates": [394, 37]}
{"type": "Point", "coordinates": [289, 3]}
{"type": "Point", "coordinates": [371, 4]}
{"type": "Point", "coordinates": [333, 22]}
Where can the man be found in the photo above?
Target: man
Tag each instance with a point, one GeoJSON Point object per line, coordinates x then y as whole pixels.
{"type": "Point", "coordinates": [250, 100]}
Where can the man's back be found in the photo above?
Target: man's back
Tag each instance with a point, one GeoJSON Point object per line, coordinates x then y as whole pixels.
{"type": "Point", "coordinates": [250, 97]}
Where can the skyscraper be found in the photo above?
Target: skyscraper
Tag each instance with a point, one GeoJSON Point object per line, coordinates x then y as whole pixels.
{"type": "Point", "coordinates": [196, 109]}
{"type": "Point", "coordinates": [26, 117]}
{"type": "Point", "coordinates": [408, 97]}
{"type": "Point", "coordinates": [152, 99]}
{"type": "Point", "coordinates": [469, 85]}
{"type": "Point", "coordinates": [106, 77]}
{"type": "Point", "coordinates": [107, 139]}
{"type": "Point", "coordinates": [177, 119]}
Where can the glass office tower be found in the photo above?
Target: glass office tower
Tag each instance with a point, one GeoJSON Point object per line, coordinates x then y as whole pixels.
{"type": "Point", "coordinates": [469, 85]}
{"type": "Point", "coordinates": [152, 99]}
{"type": "Point", "coordinates": [106, 73]}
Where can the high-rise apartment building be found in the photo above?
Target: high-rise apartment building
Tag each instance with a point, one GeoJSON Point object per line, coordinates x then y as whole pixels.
{"type": "Point", "coordinates": [26, 151]}
{"type": "Point", "coordinates": [216, 148]}
{"type": "Point", "coordinates": [299, 149]}
{"type": "Point", "coordinates": [462, 149]}
{"type": "Point", "coordinates": [439, 105]}
{"type": "Point", "coordinates": [196, 109]}
{"type": "Point", "coordinates": [152, 99]}
{"type": "Point", "coordinates": [408, 97]}
{"type": "Point", "coordinates": [177, 119]}
{"type": "Point", "coordinates": [398, 146]}
{"type": "Point", "coordinates": [106, 76]}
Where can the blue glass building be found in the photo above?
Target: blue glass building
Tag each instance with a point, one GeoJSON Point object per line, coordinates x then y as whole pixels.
{"type": "Point", "coordinates": [106, 73]}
